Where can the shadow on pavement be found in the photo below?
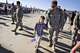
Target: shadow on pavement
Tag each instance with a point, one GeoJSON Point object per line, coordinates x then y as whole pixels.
{"type": "Point", "coordinates": [4, 19]}
{"type": "Point", "coordinates": [3, 50]}
{"type": "Point", "coordinates": [58, 51]}
{"type": "Point", "coordinates": [2, 23]}
{"type": "Point", "coordinates": [6, 16]}
{"type": "Point", "coordinates": [31, 36]}
{"type": "Point", "coordinates": [38, 51]}
{"type": "Point", "coordinates": [64, 47]}
{"type": "Point", "coordinates": [28, 28]}
{"type": "Point", "coordinates": [28, 32]}
{"type": "Point", "coordinates": [27, 15]}
{"type": "Point", "coordinates": [45, 39]}
{"type": "Point", "coordinates": [66, 35]}
{"type": "Point", "coordinates": [66, 32]}
{"type": "Point", "coordinates": [46, 49]}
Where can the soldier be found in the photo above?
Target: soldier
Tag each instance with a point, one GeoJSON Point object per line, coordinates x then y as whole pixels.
{"type": "Point", "coordinates": [65, 16]}
{"type": "Point", "coordinates": [13, 15]}
{"type": "Point", "coordinates": [19, 16]}
{"type": "Point", "coordinates": [56, 20]}
{"type": "Point", "coordinates": [5, 9]}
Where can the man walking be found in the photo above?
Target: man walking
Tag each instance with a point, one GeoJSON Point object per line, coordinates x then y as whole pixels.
{"type": "Point", "coordinates": [19, 16]}
{"type": "Point", "coordinates": [56, 20]}
{"type": "Point", "coordinates": [13, 13]}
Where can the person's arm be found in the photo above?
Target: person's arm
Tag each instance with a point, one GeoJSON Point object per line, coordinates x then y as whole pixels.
{"type": "Point", "coordinates": [62, 19]}
{"type": "Point", "coordinates": [48, 18]}
{"type": "Point", "coordinates": [75, 47]}
{"type": "Point", "coordinates": [46, 28]}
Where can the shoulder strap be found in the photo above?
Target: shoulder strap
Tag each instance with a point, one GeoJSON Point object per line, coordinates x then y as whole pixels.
{"type": "Point", "coordinates": [60, 11]}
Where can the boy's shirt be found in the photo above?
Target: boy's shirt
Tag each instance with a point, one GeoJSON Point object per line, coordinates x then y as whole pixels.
{"type": "Point", "coordinates": [39, 28]}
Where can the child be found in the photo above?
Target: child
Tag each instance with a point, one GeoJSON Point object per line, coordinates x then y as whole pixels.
{"type": "Point", "coordinates": [39, 27]}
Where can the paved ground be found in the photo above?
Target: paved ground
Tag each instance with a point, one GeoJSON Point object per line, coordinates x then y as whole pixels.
{"type": "Point", "coordinates": [18, 43]}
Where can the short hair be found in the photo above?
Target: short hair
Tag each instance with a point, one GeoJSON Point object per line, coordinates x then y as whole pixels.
{"type": "Point", "coordinates": [18, 2]}
{"type": "Point", "coordinates": [42, 17]}
{"type": "Point", "coordinates": [54, 2]}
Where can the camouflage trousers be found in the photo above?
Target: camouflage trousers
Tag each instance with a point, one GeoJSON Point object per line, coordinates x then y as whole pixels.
{"type": "Point", "coordinates": [53, 36]}
{"type": "Point", "coordinates": [13, 18]}
{"type": "Point", "coordinates": [19, 24]}
{"type": "Point", "coordinates": [74, 37]}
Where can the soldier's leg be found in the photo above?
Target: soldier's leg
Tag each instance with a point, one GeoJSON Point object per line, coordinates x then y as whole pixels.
{"type": "Point", "coordinates": [12, 20]}
{"type": "Point", "coordinates": [39, 42]}
{"type": "Point", "coordinates": [17, 24]}
{"type": "Point", "coordinates": [21, 25]}
{"type": "Point", "coordinates": [74, 34]}
{"type": "Point", "coordinates": [55, 39]}
{"type": "Point", "coordinates": [51, 36]}
{"type": "Point", "coordinates": [56, 36]}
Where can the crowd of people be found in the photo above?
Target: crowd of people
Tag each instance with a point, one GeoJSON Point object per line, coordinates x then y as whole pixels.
{"type": "Point", "coordinates": [56, 18]}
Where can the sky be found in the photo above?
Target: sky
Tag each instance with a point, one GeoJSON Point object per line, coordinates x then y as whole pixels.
{"type": "Point", "coordinates": [45, 4]}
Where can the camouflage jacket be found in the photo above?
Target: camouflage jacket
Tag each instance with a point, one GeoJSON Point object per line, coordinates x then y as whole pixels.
{"type": "Point", "coordinates": [56, 18]}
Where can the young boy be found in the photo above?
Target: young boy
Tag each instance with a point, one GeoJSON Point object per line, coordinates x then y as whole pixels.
{"type": "Point", "coordinates": [39, 27]}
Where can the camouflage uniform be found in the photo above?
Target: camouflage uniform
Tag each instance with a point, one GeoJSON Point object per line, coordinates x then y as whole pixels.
{"type": "Point", "coordinates": [19, 15]}
{"type": "Point", "coordinates": [13, 10]}
{"type": "Point", "coordinates": [56, 21]}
